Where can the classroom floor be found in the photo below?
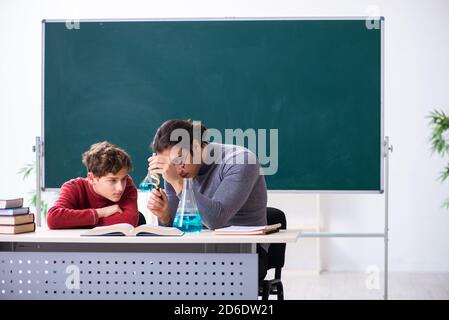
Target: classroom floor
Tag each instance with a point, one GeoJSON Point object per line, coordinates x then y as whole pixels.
{"type": "Point", "coordinates": [350, 286]}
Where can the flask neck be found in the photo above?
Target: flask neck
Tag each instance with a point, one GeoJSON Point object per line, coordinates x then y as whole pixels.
{"type": "Point", "coordinates": [187, 184]}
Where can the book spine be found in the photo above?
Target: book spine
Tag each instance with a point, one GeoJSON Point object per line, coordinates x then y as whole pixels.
{"type": "Point", "coordinates": [14, 211]}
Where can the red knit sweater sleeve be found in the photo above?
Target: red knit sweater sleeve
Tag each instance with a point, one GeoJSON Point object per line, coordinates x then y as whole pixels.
{"type": "Point", "coordinates": [65, 215]}
{"type": "Point", "coordinates": [128, 203]}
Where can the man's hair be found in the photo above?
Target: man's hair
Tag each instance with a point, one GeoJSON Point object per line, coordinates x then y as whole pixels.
{"type": "Point", "coordinates": [162, 141]}
{"type": "Point", "coordinates": [103, 158]}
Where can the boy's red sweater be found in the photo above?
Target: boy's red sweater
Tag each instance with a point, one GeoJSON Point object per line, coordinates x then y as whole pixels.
{"type": "Point", "coordinates": [77, 202]}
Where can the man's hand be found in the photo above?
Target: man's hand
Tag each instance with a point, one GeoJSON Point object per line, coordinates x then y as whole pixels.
{"type": "Point", "coordinates": [158, 205]}
{"type": "Point", "coordinates": [108, 211]}
{"type": "Point", "coordinates": [162, 165]}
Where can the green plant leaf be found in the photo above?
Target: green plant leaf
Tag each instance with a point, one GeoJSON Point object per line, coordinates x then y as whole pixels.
{"type": "Point", "coordinates": [445, 204]}
{"type": "Point", "coordinates": [27, 170]}
{"type": "Point", "coordinates": [439, 122]}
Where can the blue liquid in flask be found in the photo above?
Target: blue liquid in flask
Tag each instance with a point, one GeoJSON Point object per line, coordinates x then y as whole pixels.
{"type": "Point", "coordinates": [145, 186]}
{"type": "Point", "coordinates": [149, 184]}
{"type": "Point", "coordinates": [188, 222]}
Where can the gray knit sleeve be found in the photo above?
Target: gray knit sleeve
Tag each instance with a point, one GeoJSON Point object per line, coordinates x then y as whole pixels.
{"type": "Point", "coordinates": [172, 202]}
{"type": "Point", "coordinates": [236, 185]}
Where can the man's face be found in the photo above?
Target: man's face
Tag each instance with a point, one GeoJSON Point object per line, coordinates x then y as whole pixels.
{"type": "Point", "coordinates": [182, 162]}
{"type": "Point", "coordinates": [110, 186]}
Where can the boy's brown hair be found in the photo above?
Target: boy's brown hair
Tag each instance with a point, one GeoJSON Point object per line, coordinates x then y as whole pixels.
{"type": "Point", "coordinates": [104, 157]}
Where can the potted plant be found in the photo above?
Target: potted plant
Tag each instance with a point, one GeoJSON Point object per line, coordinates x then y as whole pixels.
{"type": "Point", "coordinates": [439, 123]}
{"type": "Point", "coordinates": [26, 171]}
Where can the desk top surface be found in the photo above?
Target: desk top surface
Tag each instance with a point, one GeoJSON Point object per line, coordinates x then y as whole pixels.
{"type": "Point", "coordinates": [206, 236]}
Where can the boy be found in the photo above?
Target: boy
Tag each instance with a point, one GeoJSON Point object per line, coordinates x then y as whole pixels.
{"type": "Point", "coordinates": [107, 196]}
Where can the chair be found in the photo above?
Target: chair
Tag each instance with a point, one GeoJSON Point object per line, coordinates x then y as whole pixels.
{"type": "Point", "coordinates": [276, 258]}
{"type": "Point", "coordinates": [142, 219]}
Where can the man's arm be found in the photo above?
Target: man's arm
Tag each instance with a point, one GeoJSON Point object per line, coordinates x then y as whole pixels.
{"type": "Point", "coordinates": [173, 201]}
{"type": "Point", "coordinates": [232, 193]}
{"type": "Point", "coordinates": [65, 215]}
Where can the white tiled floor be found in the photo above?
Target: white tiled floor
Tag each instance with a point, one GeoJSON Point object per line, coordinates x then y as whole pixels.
{"type": "Point", "coordinates": [348, 286]}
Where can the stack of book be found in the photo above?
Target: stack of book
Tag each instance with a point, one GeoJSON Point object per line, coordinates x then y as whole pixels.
{"type": "Point", "coordinates": [14, 218]}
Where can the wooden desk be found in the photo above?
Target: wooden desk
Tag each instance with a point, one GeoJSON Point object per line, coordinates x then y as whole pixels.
{"type": "Point", "coordinates": [61, 264]}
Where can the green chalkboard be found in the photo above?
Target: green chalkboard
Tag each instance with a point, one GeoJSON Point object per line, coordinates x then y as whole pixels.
{"type": "Point", "coordinates": [317, 81]}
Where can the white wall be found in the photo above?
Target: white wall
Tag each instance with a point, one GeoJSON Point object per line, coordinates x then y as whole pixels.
{"type": "Point", "coordinates": [416, 81]}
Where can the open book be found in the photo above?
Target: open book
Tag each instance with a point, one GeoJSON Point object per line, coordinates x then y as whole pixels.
{"type": "Point", "coordinates": [125, 229]}
{"type": "Point", "coordinates": [244, 230]}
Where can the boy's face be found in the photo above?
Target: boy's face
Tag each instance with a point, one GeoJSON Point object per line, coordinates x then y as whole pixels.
{"type": "Point", "coordinates": [110, 186]}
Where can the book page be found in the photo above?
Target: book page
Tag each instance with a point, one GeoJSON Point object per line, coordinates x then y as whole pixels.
{"type": "Point", "coordinates": [248, 229]}
{"type": "Point", "coordinates": [157, 230]}
{"type": "Point", "coordinates": [125, 228]}
{"type": "Point", "coordinates": [241, 228]}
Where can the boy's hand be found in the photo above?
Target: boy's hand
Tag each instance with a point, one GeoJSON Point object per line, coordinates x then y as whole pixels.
{"type": "Point", "coordinates": [158, 205]}
{"type": "Point", "coordinates": [109, 211]}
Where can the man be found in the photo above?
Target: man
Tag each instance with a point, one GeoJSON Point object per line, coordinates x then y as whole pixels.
{"type": "Point", "coordinates": [107, 196]}
{"type": "Point", "coordinates": [229, 190]}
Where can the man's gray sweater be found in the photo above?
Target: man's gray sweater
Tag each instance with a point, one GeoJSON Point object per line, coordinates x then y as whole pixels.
{"type": "Point", "coordinates": [229, 191]}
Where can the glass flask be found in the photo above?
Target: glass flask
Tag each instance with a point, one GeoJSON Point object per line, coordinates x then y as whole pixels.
{"type": "Point", "coordinates": [187, 217]}
{"type": "Point", "coordinates": [147, 184]}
